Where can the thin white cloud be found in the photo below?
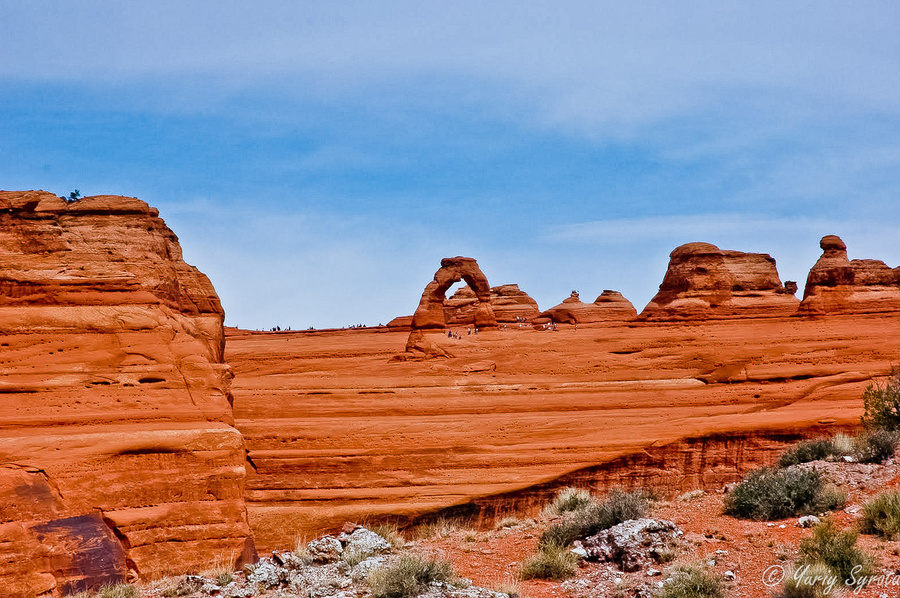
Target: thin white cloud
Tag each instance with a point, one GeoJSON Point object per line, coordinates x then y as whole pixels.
{"type": "Point", "coordinates": [602, 64]}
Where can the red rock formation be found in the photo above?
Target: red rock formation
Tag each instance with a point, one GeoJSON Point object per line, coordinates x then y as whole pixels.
{"type": "Point", "coordinates": [430, 313]}
{"type": "Point", "coordinates": [703, 281]}
{"type": "Point", "coordinates": [838, 285]}
{"type": "Point", "coordinates": [116, 401]}
{"type": "Point", "coordinates": [509, 304]}
{"type": "Point", "coordinates": [610, 306]}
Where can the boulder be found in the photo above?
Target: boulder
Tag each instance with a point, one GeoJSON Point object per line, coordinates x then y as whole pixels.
{"type": "Point", "coordinates": [703, 281]}
{"type": "Point", "coordinates": [838, 285]}
{"type": "Point", "coordinates": [116, 400]}
{"type": "Point", "coordinates": [633, 544]}
{"type": "Point", "coordinates": [610, 306]}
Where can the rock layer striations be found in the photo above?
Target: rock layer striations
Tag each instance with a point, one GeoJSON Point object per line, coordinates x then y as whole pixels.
{"type": "Point", "coordinates": [116, 426]}
{"type": "Point", "coordinates": [703, 281]}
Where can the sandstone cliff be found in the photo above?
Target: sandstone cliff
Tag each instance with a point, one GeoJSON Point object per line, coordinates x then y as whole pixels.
{"type": "Point", "coordinates": [838, 285]}
{"type": "Point", "coordinates": [610, 306]}
{"type": "Point", "coordinates": [703, 281]}
{"type": "Point", "coordinates": [116, 429]}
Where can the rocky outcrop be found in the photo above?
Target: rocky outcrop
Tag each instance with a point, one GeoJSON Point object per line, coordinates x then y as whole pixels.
{"type": "Point", "coordinates": [430, 313]}
{"type": "Point", "coordinates": [116, 428]}
{"type": "Point", "coordinates": [703, 281]}
{"type": "Point", "coordinates": [838, 285]}
{"type": "Point", "coordinates": [610, 306]}
{"type": "Point", "coordinates": [633, 544]}
{"type": "Point", "coordinates": [509, 303]}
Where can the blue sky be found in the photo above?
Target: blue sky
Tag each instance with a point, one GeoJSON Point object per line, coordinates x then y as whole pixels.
{"type": "Point", "coordinates": [317, 160]}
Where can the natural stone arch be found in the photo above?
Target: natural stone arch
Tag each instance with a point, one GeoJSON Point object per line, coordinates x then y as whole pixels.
{"type": "Point", "coordinates": [430, 313]}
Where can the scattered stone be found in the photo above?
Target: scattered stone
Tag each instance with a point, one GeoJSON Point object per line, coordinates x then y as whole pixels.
{"type": "Point", "coordinates": [808, 521]}
{"type": "Point", "coordinates": [191, 584]}
{"type": "Point", "coordinates": [326, 549]}
{"type": "Point", "coordinates": [653, 572]}
{"type": "Point", "coordinates": [362, 569]}
{"type": "Point", "coordinates": [729, 576]}
{"type": "Point", "coordinates": [363, 541]}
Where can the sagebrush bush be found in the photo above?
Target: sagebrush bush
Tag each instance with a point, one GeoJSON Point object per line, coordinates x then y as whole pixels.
{"type": "Point", "coordinates": [122, 590]}
{"type": "Point", "coordinates": [390, 532]}
{"type": "Point", "coordinates": [693, 582]}
{"type": "Point", "coordinates": [882, 403]}
{"type": "Point", "coordinates": [876, 445]}
{"type": "Point", "coordinates": [618, 506]}
{"type": "Point", "coordinates": [881, 516]}
{"type": "Point", "coordinates": [552, 561]}
{"type": "Point", "coordinates": [815, 580]}
{"type": "Point", "coordinates": [568, 499]}
{"type": "Point", "coordinates": [837, 550]}
{"type": "Point", "coordinates": [409, 577]}
{"type": "Point", "coordinates": [767, 494]}
{"type": "Point", "coordinates": [808, 450]}
{"type": "Point", "coordinates": [843, 444]}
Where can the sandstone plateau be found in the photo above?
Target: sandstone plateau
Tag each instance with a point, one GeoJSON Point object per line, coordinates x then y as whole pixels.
{"type": "Point", "coordinates": [337, 432]}
{"type": "Point", "coordinates": [705, 282]}
{"type": "Point", "coordinates": [118, 451]}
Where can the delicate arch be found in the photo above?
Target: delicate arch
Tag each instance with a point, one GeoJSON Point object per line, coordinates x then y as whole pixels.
{"type": "Point", "coordinates": [430, 313]}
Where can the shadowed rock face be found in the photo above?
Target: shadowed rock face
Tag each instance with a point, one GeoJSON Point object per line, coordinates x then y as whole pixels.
{"type": "Point", "coordinates": [703, 281]}
{"type": "Point", "coordinates": [116, 401]}
{"type": "Point", "coordinates": [610, 306]}
{"type": "Point", "coordinates": [430, 313]}
{"type": "Point", "coordinates": [838, 285]}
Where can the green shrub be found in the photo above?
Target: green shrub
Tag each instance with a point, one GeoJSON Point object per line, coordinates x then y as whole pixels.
{"type": "Point", "coordinates": [409, 577]}
{"type": "Point", "coordinates": [569, 499]}
{"type": "Point", "coordinates": [808, 450]}
{"type": "Point", "coordinates": [693, 582]}
{"type": "Point", "coordinates": [552, 561]}
{"type": "Point", "coordinates": [876, 446]}
{"type": "Point", "coordinates": [814, 580]}
{"type": "Point", "coordinates": [618, 506]}
{"type": "Point", "coordinates": [881, 516]}
{"type": "Point", "coordinates": [882, 403]}
{"type": "Point", "coordinates": [224, 578]}
{"type": "Point", "coordinates": [767, 494]}
{"type": "Point", "coordinates": [122, 590]}
{"type": "Point", "coordinates": [837, 550]}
